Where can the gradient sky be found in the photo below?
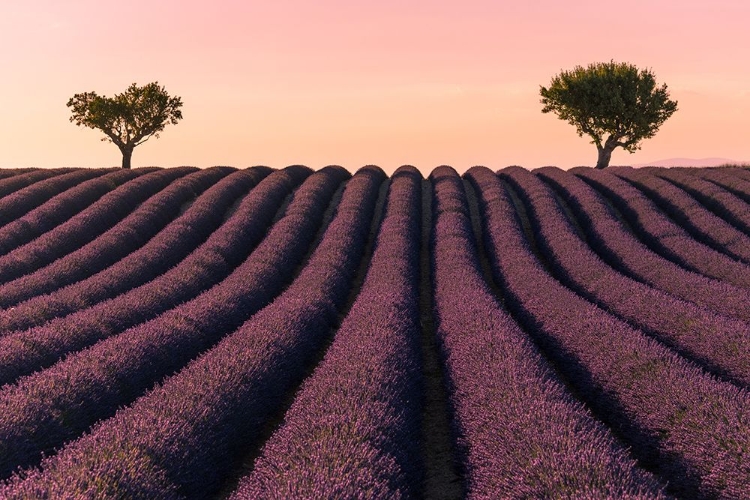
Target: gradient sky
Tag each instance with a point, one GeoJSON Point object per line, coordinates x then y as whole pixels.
{"type": "Point", "coordinates": [350, 82]}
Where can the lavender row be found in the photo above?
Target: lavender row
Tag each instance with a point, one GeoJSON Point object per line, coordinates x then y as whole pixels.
{"type": "Point", "coordinates": [22, 352]}
{"type": "Point", "coordinates": [718, 343]}
{"type": "Point", "coordinates": [24, 200]}
{"type": "Point", "coordinates": [662, 234]}
{"type": "Point", "coordinates": [118, 369]}
{"type": "Point", "coordinates": [506, 402]}
{"type": "Point", "coordinates": [723, 203]}
{"type": "Point", "coordinates": [60, 208]}
{"type": "Point", "coordinates": [698, 221]}
{"type": "Point", "coordinates": [21, 180]}
{"type": "Point", "coordinates": [122, 239]}
{"type": "Point", "coordinates": [724, 178]}
{"type": "Point", "coordinates": [624, 252]}
{"type": "Point", "coordinates": [741, 172]}
{"type": "Point", "coordinates": [185, 434]}
{"type": "Point", "coordinates": [354, 426]}
{"type": "Point", "coordinates": [10, 172]}
{"type": "Point", "coordinates": [164, 251]}
{"type": "Point", "coordinates": [86, 225]}
{"type": "Point", "coordinates": [689, 427]}
{"type": "Point", "coordinates": [737, 184]}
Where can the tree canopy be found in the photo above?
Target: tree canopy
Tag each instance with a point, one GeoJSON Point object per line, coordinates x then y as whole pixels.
{"type": "Point", "coordinates": [127, 119]}
{"type": "Point", "coordinates": [614, 99]}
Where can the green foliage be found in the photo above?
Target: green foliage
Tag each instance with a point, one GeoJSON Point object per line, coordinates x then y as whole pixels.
{"type": "Point", "coordinates": [130, 118]}
{"type": "Point", "coordinates": [609, 98]}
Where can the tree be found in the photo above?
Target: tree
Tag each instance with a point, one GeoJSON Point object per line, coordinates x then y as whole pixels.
{"type": "Point", "coordinates": [127, 119]}
{"type": "Point", "coordinates": [609, 98]}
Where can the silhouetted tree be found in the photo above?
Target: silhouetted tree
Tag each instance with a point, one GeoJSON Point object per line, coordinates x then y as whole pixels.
{"type": "Point", "coordinates": [127, 119]}
{"type": "Point", "coordinates": [609, 98]}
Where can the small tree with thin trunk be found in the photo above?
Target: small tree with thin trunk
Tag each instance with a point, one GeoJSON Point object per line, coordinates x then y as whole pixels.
{"type": "Point", "coordinates": [127, 119]}
{"type": "Point", "coordinates": [614, 99]}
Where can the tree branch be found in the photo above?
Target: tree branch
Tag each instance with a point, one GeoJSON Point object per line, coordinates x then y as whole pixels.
{"type": "Point", "coordinates": [590, 131]}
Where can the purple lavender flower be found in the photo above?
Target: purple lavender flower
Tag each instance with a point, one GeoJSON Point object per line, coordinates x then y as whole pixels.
{"type": "Point", "coordinates": [86, 225]}
{"type": "Point", "coordinates": [354, 424]}
{"type": "Point", "coordinates": [610, 237]}
{"type": "Point", "coordinates": [194, 424]}
{"type": "Point", "coordinates": [720, 201]}
{"type": "Point", "coordinates": [123, 239]}
{"type": "Point", "coordinates": [690, 428]}
{"type": "Point", "coordinates": [38, 193]}
{"type": "Point", "coordinates": [662, 234]}
{"type": "Point", "coordinates": [718, 343]}
{"type": "Point", "coordinates": [17, 181]}
{"type": "Point", "coordinates": [163, 252]}
{"type": "Point", "coordinates": [520, 433]}
{"type": "Point", "coordinates": [700, 222]}
{"type": "Point", "coordinates": [32, 223]}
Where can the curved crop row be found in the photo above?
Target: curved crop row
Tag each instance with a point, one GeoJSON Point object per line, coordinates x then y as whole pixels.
{"type": "Point", "coordinates": [723, 177]}
{"type": "Point", "coordinates": [354, 426]}
{"type": "Point", "coordinates": [124, 238]}
{"type": "Point", "coordinates": [627, 254]}
{"type": "Point", "coordinates": [13, 183]}
{"type": "Point", "coordinates": [691, 428]}
{"type": "Point", "coordinates": [86, 225]}
{"type": "Point", "coordinates": [164, 251]}
{"type": "Point", "coordinates": [722, 202]}
{"type": "Point", "coordinates": [22, 352]}
{"type": "Point", "coordinates": [20, 202]}
{"type": "Point", "coordinates": [661, 233]}
{"type": "Point", "coordinates": [10, 172]}
{"type": "Point", "coordinates": [184, 435]}
{"type": "Point", "coordinates": [120, 368]}
{"type": "Point", "coordinates": [61, 208]}
{"type": "Point", "coordinates": [699, 222]}
{"type": "Point", "coordinates": [719, 343]}
{"type": "Point", "coordinates": [520, 434]}
{"type": "Point", "coordinates": [741, 172]}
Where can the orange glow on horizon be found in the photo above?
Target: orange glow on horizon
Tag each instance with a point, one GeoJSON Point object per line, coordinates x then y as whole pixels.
{"type": "Point", "coordinates": [349, 83]}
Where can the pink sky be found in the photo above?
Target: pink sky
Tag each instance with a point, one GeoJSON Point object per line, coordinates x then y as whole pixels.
{"type": "Point", "coordinates": [354, 83]}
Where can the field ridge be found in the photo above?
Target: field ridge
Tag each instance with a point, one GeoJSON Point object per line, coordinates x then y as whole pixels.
{"type": "Point", "coordinates": [245, 333]}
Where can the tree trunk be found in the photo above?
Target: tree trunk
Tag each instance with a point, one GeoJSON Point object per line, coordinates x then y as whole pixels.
{"type": "Point", "coordinates": [605, 154]}
{"type": "Point", "coordinates": [126, 155]}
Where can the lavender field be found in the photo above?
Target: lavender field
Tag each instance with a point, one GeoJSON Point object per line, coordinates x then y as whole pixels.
{"type": "Point", "coordinates": [290, 333]}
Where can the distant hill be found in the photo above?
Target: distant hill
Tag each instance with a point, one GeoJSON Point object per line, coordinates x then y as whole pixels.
{"type": "Point", "coordinates": [691, 162]}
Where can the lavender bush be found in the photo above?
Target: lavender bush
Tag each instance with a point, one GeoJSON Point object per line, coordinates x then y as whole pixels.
{"type": "Point", "coordinates": [20, 180]}
{"type": "Point", "coordinates": [701, 223]}
{"type": "Point", "coordinates": [724, 178]}
{"type": "Point", "coordinates": [662, 234]}
{"type": "Point", "coordinates": [118, 369]}
{"type": "Point", "coordinates": [520, 433]}
{"type": "Point", "coordinates": [738, 172]}
{"type": "Point", "coordinates": [24, 351]}
{"type": "Point", "coordinates": [86, 225]}
{"type": "Point", "coordinates": [260, 333]}
{"type": "Point", "coordinates": [689, 427]}
{"type": "Point", "coordinates": [353, 429]}
{"type": "Point", "coordinates": [10, 172]}
{"type": "Point", "coordinates": [36, 194]}
{"type": "Point", "coordinates": [122, 239]}
{"type": "Point", "coordinates": [163, 252]}
{"type": "Point", "coordinates": [193, 425]}
{"type": "Point", "coordinates": [58, 209]}
{"type": "Point", "coordinates": [619, 248]}
{"type": "Point", "coordinates": [718, 343]}
{"type": "Point", "coordinates": [721, 201]}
